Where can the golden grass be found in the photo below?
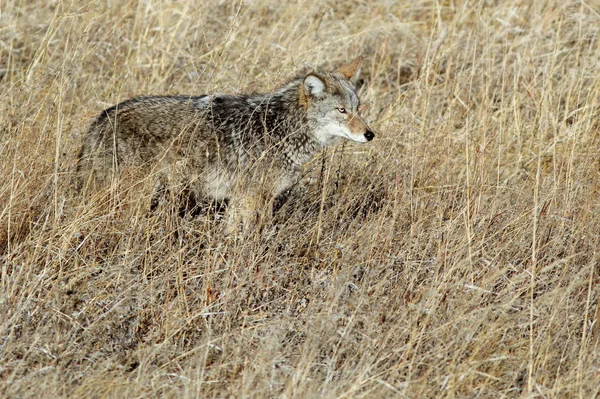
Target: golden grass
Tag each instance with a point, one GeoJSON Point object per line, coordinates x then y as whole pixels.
{"type": "Point", "coordinates": [456, 255]}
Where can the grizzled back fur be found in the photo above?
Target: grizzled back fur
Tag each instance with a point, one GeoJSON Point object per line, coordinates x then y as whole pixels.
{"type": "Point", "coordinates": [245, 148]}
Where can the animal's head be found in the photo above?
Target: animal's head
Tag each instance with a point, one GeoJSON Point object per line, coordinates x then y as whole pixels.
{"type": "Point", "coordinates": [333, 107]}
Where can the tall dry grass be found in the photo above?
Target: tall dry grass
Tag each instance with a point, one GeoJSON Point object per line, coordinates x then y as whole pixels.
{"type": "Point", "coordinates": [454, 256]}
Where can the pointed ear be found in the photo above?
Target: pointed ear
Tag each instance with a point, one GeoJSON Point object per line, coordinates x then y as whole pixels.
{"type": "Point", "coordinates": [351, 70]}
{"type": "Point", "coordinates": [314, 86]}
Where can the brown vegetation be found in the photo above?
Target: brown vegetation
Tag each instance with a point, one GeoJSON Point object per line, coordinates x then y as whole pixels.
{"type": "Point", "coordinates": [456, 255]}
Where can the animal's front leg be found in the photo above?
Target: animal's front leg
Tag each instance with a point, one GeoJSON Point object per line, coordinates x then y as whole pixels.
{"type": "Point", "coordinates": [249, 212]}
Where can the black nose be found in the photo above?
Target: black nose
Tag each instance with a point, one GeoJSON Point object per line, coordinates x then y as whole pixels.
{"type": "Point", "coordinates": [369, 135]}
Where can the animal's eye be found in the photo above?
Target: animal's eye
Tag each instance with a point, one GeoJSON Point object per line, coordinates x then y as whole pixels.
{"type": "Point", "coordinates": [342, 110]}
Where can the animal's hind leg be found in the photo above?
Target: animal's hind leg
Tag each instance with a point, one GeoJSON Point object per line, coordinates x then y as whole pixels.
{"type": "Point", "coordinates": [160, 195]}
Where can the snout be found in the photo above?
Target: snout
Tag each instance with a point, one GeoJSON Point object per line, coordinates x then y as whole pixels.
{"type": "Point", "coordinates": [369, 135]}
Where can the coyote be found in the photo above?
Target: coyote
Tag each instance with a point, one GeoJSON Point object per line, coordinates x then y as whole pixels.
{"type": "Point", "coordinates": [244, 149]}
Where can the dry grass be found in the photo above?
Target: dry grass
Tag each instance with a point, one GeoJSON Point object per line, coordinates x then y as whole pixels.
{"type": "Point", "coordinates": [454, 256]}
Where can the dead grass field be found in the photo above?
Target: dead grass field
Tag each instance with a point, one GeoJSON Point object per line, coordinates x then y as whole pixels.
{"type": "Point", "coordinates": [456, 255]}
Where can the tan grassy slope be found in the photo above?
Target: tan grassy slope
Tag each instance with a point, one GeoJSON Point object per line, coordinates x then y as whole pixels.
{"type": "Point", "coordinates": [456, 255]}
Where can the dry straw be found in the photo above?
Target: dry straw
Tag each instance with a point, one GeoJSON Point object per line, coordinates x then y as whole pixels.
{"type": "Point", "coordinates": [456, 255]}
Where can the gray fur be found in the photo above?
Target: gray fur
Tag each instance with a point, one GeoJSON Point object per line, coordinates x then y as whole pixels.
{"type": "Point", "coordinates": [246, 149]}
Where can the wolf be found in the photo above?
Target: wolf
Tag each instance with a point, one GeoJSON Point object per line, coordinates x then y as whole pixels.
{"type": "Point", "coordinates": [241, 149]}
